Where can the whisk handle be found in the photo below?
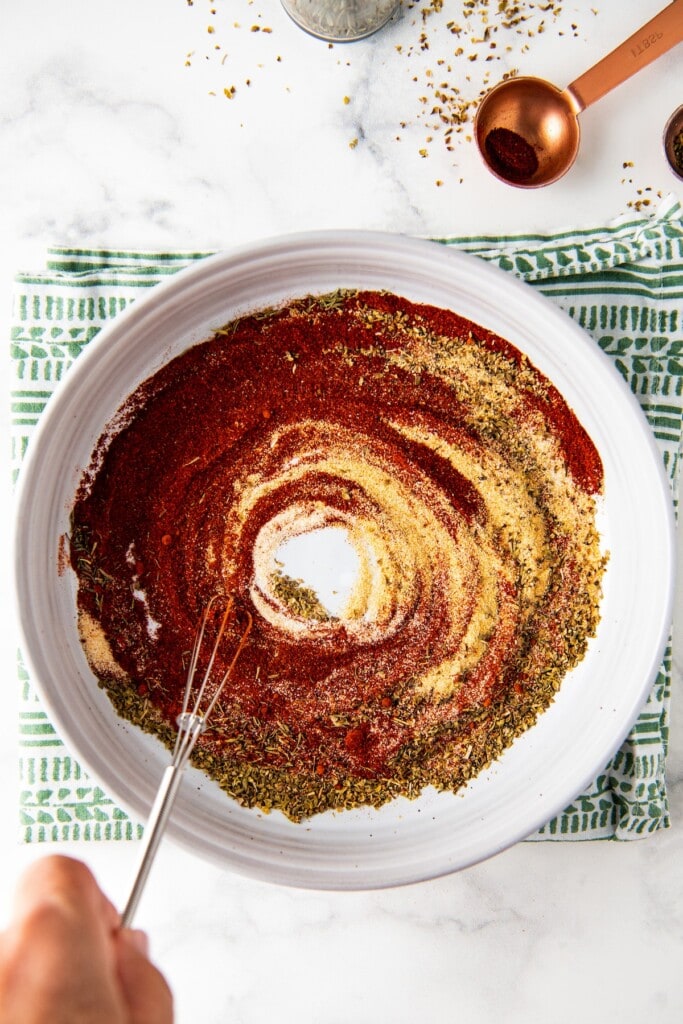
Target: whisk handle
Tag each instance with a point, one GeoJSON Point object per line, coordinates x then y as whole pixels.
{"type": "Point", "coordinates": [154, 830]}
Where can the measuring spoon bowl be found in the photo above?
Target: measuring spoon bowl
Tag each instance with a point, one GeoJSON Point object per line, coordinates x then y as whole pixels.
{"type": "Point", "coordinates": [535, 124]}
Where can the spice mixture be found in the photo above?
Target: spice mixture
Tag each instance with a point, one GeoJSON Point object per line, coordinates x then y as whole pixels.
{"type": "Point", "coordinates": [511, 155]}
{"type": "Point", "coordinates": [674, 145]}
{"type": "Point", "coordinates": [460, 478]}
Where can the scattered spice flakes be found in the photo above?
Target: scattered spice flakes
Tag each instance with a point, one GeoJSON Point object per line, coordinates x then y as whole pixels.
{"type": "Point", "coordinates": [449, 98]}
{"type": "Point", "coordinates": [218, 27]}
{"type": "Point", "coordinates": [484, 34]}
{"type": "Point", "coordinates": [644, 197]}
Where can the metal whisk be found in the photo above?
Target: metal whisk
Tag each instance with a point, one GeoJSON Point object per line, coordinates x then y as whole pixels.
{"type": "Point", "coordinates": [191, 724]}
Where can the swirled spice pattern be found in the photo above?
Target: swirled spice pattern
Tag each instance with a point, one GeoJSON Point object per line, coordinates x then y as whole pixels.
{"type": "Point", "coordinates": [455, 472]}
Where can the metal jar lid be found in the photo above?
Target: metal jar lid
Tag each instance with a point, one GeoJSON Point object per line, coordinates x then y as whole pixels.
{"type": "Point", "coordinates": [341, 21]}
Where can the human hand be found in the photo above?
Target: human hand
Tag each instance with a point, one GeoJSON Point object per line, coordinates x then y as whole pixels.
{"type": "Point", "coordinates": [65, 960]}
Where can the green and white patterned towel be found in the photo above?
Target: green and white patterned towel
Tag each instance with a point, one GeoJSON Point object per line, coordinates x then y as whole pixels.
{"type": "Point", "coordinates": [623, 284]}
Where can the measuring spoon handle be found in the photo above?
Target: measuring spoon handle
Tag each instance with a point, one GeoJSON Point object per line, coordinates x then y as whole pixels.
{"type": "Point", "coordinates": [644, 46]}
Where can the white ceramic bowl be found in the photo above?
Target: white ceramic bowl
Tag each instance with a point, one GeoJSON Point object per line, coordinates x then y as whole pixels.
{"type": "Point", "coordinates": [545, 768]}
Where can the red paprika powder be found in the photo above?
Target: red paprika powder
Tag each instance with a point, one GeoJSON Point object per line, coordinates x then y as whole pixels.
{"type": "Point", "coordinates": [511, 155]}
{"type": "Point", "coordinates": [457, 473]}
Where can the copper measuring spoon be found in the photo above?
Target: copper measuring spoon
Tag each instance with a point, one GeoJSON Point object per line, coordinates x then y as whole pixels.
{"type": "Point", "coordinates": [527, 129]}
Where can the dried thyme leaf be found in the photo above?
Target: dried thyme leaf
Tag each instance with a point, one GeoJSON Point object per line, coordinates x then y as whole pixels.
{"type": "Point", "coordinates": [298, 598]}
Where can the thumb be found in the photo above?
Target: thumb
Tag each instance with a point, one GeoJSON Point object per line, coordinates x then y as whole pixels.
{"type": "Point", "coordinates": [145, 991]}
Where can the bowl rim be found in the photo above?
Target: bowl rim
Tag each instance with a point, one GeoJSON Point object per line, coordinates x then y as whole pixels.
{"type": "Point", "coordinates": [324, 243]}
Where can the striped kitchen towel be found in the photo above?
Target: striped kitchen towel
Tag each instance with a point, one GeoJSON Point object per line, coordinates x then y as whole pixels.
{"type": "Point", "coordinates": [622, 283]}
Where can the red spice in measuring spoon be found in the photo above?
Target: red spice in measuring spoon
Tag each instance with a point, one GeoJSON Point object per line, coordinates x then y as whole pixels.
{"type": "Point", "coordinates": [510, 155]}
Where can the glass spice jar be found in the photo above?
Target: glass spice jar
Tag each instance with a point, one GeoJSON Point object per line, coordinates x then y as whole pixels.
{"type": "Point", "coordinates": [340, 21]}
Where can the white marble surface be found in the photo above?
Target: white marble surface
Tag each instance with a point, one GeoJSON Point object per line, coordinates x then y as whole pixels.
{"type": "Point", "coordinates": [115, 130]}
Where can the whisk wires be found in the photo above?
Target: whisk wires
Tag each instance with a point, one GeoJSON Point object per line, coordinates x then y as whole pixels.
{"type": "Point", "coordinates": [192, 722]}
{"type": "Point", "coordinates": [199, 700]}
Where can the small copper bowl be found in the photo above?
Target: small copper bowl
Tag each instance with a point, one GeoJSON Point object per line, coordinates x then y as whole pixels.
{"type": "Point", "coordinates": [673, 142]}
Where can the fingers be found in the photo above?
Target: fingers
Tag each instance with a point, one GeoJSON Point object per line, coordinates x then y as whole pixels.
{"type": "Point", "coordinates": [58, 907]}
{"type": "Point", "coordinates": [65, 959]}
{"type": "Point", "coordinates": [66, 885]}
{"type": "Point", "coordinates": [57, 958]}
{"type": "Point", "coordinates": [137, 938]}
{"type": "Point", "coordinates": [145, 992]}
